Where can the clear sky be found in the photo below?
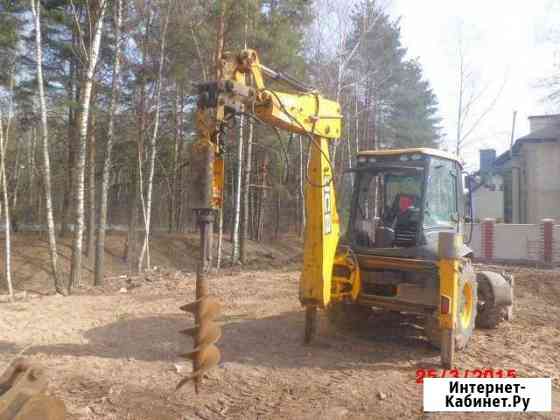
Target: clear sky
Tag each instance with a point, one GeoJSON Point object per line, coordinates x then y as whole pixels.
{"type": "Point", "coordinates": [509, 49]}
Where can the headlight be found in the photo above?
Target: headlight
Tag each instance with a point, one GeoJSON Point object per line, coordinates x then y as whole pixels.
{"type": "Point", "coordinates": [404, 158]}
{"type": "Point", "coordinates": [372, 160]}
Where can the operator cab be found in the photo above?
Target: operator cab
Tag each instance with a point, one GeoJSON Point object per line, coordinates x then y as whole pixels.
{"type": "Point", "coordinates": [401, 200]}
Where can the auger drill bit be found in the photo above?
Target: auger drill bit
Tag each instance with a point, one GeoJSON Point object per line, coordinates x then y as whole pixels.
{"type": "Point", "coordinates": [205, 333]}
{"type": "Point", "coordinates": [206, 197]}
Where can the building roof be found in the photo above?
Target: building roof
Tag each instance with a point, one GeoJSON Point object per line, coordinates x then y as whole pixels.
{"type": "Point", "coordinates": [547, 134]}
{"type": "Point", "coordinates": [544, 116]}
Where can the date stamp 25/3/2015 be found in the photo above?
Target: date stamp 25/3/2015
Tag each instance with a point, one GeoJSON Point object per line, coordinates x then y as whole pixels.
{"type": "Point", "coordinates": [487, 394]}
{"type": "Point", "coordinates": [421, 374]}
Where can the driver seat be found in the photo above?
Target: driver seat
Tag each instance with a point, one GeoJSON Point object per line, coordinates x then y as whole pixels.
{"type": "Point", "coordinates": [405, 230]}
{"type": "Point", "coordinates": [405, 201]}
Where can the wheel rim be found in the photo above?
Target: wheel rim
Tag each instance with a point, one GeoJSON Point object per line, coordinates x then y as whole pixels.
{"type": "Point", "coordinates": [467, 307]}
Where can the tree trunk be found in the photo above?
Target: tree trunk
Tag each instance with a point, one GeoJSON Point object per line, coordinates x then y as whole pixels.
{"type": "Point", "coordinates": [152, 162]}
{"type": "Point", "coordinates": [335, 143]}
{"type": "Point", "coordinates": [257, 193]}
{"type": "Point", "coordinates": [32, 196]}
{"type": "Point", "coordinates": [6, 214]}
{"type": "Point", "coordinates": [253, 200]}
{"type": "Point", "coordinates": [142, 206]}
{"type": "Point", "coordinates": [65, 212]}
{"type": "Point", "coordinates": [278, 218]}
{"type": "Point", "coordinates": [173, 198]}
{"type": "Point", "coordinates": [73, 96]}
{"type": "Point", "coordinates": [237, 202]}
{"type": "Point", "coordinates": [105, 176]}
{"type": "Point", "coordinates": [36, 9]}
{"type": "Point", "coordinates": [176, 197]}
{"type": "Point", "coordinates": [263, 195]}
{"type": "Point", "coordinates": [16, 177]}
{"type": "Point", "coordinates": [135, 186]}
{"type": "Point", "coordinates": [231, 193]}
{"type": "Point", "coordinates": [90, 252]}
{"type": "Point", "coordinates": [460, 105]}
{"type": "Point", "coordinates": [130, 245]}
{"type": "Point", "coordinates": [79, 177]}
{"type": "Point", "coordinates": [246, 197]}
{"type": "Point", "coordinates": [178, 192]}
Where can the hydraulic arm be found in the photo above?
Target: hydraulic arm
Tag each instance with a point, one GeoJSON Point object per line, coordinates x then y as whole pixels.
{"type": "Point", "coordinates": [302, 111]}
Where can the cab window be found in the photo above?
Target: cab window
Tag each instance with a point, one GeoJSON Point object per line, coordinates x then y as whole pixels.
{"type": "Point", "coordinates": [440, 209]}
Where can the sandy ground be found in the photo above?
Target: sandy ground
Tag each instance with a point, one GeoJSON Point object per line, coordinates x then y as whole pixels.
{"type": "Point", "coordinates": [111, 353]}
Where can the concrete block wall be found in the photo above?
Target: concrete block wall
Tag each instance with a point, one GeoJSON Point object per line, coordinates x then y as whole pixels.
{"type": "Point", "coordinates": [539, 243]}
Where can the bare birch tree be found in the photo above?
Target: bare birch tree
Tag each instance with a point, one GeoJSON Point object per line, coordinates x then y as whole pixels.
{"type": "Point", "coordinates": [3, 176]}
{"type": "Point", "coordinates": [16, 175]}
{"type": "Point", "coordinates": [244, 234]}
{"type": "Point", "coordinates": [5, 208]}
{"type": "Point", "coordinates": [90, 151]}
{"type": "Point", "coordinates": [237, 201]}
{"type": "Point", "coordinates": [36, 11]}
{"type": "Point", "coordinates": [333, 31]}
{"type": "Point", "coordinates": [31, 165]}
{"type": "Point", "coordinates": [238, 223]}
{"type": "Point", "coordinates": [106, 172]}
{"type": "Point", "coordinates": [175, 187]}
{"type": "Point", "coordinates": [96, 12]}
{"type": "Point", "coordinates": [475, 99]}
{"type": "Point", "coordinates": [147, 203]}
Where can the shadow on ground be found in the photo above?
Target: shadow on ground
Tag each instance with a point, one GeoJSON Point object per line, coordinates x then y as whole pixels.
{"type": "Point", "coordinates": [274, 341]}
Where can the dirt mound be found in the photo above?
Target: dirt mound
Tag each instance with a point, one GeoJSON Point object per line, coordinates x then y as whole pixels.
{"type": "Point", "coordinates": [169, 252]}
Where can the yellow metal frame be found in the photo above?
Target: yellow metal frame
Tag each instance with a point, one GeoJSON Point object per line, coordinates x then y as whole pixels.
{"type": "Point", "coordinates": [448, 287]}
{"type": "Point", "coordinates": [305, 113]}
{"type": "Point", "coordinates": [322, 228]}
{"type": "Point", "coordinates": [449, 265]}
{"type": "Point", "coordinates": [346, 287]}
{"type": "Point", "coordinates": [308, 113]}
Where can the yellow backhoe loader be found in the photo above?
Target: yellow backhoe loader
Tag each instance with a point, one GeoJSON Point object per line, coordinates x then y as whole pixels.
{"type": "Point", "coordinates": [403, 213]}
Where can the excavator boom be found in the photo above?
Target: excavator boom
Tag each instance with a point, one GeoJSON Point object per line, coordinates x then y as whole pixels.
{"type": "Point", "coordinates": [301, 111]}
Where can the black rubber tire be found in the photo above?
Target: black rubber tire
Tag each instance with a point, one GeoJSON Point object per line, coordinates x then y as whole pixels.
{"type": "Point", "coordinates": [463, 333]}
{"type": "Point", "coordinates": [347, 315]}
{"type": "Point", "coordinates": [489, 316]}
